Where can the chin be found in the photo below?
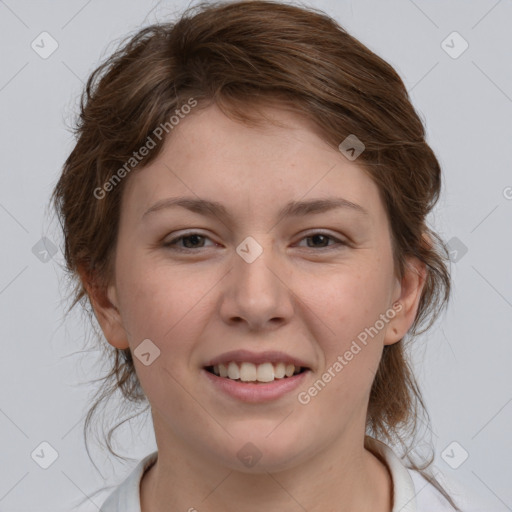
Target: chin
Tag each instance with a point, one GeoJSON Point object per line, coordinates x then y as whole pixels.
{"type": "Point", "coordinates": [260, 452]}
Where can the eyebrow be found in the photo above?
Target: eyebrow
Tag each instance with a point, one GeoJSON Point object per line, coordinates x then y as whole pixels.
{"type": "Point", "coordinates": [291, 209]}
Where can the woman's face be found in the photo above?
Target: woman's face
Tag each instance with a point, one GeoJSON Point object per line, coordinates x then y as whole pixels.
{"type": "Point", "coordinates": [314, 286]}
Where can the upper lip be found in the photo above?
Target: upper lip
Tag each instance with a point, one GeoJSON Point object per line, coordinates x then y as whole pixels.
{"type": "Point", "coordinates": [271, 356]}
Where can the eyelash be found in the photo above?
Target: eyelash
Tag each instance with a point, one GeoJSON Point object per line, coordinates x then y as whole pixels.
{"type": "Point", "coordinates": [172, 243]}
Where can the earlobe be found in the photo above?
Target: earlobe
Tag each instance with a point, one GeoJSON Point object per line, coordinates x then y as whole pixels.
{"type": "Point", "coordinates": [410, 289]}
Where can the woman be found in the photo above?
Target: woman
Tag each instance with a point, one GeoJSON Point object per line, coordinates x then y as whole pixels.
{"type": "Point", "coordinates": [245, 210]}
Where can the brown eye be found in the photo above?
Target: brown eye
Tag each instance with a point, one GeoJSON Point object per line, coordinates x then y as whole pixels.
{"type": "Point", "coordinates": [321, 240]}
{"type": "Point", "coordinates": [190, 241]}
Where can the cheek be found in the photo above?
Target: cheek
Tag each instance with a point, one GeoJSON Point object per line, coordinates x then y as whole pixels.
{"type": "Point", "coordinates": [349, 305]}
{"type": "Point", "coordinates": [158, 302]}
{"type": "Point", "coordinates": [168, 306]}
{"type": "Point", "coordinates": [351, 301]}
{"type": "Point", "coordinates": [162, 307]}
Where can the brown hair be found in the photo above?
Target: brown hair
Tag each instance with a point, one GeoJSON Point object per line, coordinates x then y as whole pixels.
{"type": "Point", "coordinates": [239, 55]}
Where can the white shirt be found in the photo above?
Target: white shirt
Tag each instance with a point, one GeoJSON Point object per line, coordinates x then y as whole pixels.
{"type": "Point", "coordinates": [411, 491]}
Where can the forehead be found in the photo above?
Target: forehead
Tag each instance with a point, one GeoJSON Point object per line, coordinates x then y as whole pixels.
{"type": "Point", "coordinates": [253, 169]}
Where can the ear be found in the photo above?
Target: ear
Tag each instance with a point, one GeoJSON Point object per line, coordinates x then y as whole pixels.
{"type": "Point", "coordinates": [104, 303]}
{"type": "Point", "coordinates": [407, 297]}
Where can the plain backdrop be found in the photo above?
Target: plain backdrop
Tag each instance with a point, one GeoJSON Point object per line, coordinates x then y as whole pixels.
{"type": "Point", "coordinates": [464, 96]}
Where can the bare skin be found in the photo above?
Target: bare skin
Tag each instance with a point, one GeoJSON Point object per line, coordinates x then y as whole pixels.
{"type": "Point", "coordinates": [307, 297]}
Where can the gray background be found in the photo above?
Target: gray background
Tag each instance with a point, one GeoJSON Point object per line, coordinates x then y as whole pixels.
{"type": "Point", "coordinates": [463, 364]}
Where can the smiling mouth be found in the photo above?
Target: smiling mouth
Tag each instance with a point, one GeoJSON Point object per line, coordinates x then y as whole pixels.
{"type": "Point", "coordinates": [255, 373]}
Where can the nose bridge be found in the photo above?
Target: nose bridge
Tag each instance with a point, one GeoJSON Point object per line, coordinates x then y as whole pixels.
{"type": "Point", "coordinates": [257, 292]}
{"type": "Point", "coordinates": [254, 262]}
{"type": "Point", "coordinates": [255, 257]}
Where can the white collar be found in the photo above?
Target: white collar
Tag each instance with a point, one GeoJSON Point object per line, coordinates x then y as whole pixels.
{"type": "Point", "coordinates": [404, 493]}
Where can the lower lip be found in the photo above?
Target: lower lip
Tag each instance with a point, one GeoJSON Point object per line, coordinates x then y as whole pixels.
{"type": "Point", "coordinates": [255, 393]}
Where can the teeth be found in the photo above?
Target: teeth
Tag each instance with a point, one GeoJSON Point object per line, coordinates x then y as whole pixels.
{"type": "Point", "coordinates": [265, 372]}
{"type": "Point", "coordinates": [279, 370]}
{"type": "Point", "coordinates": [249, 372]}
{"type": "Point", "coordinates": [233, 372]}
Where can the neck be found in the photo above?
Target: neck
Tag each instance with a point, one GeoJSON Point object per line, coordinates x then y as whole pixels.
{"type": "Point", "coordinates": [355, 480]}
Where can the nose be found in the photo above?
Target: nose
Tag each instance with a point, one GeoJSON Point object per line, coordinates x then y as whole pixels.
{"type": "Point", "coordinates": [257, 294]}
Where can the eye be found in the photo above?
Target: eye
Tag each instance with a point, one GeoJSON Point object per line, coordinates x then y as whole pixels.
{"type": "Point", "coordinates": [191, 241]}
{"type": "Point", "coordinates": [194, 240]}
{"type": "Point", "coordinates": [320, 240]}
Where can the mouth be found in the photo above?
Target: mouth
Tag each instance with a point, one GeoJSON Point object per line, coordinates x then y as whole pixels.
{"type": "Point", "coordinates": [255, 383]}
{"type": "Point", "coordinates": [256, 377]}
{"type": "Point", "coordinates": [250, 373]}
